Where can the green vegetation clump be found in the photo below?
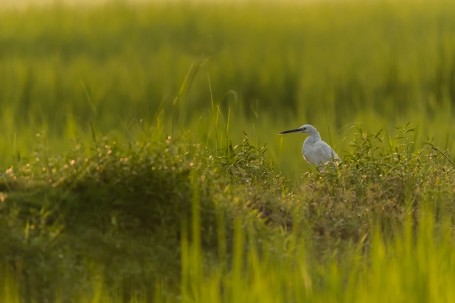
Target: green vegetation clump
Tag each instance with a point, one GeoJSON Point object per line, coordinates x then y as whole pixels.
{"type": "Point", "coordinates": [134, 215]}
{"type": "Point", "coordinates": [123, 210]}
{"type": "Point", "coordinates": [380, 184]}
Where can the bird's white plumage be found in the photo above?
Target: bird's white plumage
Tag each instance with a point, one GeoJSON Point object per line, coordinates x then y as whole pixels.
{"type": "Point", "coordinates": [314, 150]}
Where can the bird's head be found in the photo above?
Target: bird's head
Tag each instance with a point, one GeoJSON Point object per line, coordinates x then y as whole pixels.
{"type": "Point", "coordinates": [306, 128]}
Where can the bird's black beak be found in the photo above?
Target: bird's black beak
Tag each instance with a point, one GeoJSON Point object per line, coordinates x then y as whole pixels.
{"type": "Point", "coordinates": [290, 131]}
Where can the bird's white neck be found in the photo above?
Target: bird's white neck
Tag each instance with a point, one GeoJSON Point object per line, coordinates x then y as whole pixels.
{"type": "Point", "coordinates": [313, 137]}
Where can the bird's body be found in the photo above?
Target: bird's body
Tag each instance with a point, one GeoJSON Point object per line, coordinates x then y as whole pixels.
{"type": "Point", "coordinates": [315, 151]}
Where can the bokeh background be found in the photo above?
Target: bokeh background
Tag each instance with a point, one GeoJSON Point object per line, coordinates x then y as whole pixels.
{"type": "Point", "coordinates": [267, 66]}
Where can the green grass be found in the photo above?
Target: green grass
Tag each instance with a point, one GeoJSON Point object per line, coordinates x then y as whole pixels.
{"type": "Point", "coordinates": [141, 159]}
{"type": "Point", "coordinates": [409, 268]}
{"type": "Point", "coordinates": [167, 220]}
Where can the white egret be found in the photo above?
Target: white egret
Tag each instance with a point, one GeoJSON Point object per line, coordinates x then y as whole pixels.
{"type": "Point", "coordinates": [315, 151]}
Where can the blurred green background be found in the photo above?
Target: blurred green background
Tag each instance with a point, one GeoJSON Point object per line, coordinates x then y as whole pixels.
{"type": "Point", "coordinates": [374, 65]}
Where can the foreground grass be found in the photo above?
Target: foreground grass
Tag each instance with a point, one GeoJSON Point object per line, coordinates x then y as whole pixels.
{"type": "Point", "coordinates": [167, 219]}
{"type": "Point", "coordinates": [417, 265]}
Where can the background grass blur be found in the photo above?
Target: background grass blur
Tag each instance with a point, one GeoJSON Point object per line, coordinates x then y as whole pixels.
{"type": "Point", "coordinates": [377, 65]}
{"type": "Point", "coordinates": [141, 160]}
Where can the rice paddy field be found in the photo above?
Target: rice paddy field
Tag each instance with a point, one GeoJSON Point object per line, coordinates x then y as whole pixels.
{"type": "Point", "coordinates": [140, 158]}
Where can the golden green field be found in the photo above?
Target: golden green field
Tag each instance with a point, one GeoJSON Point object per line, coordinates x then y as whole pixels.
{"type": "Point", "coordinates": [141, 160]}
